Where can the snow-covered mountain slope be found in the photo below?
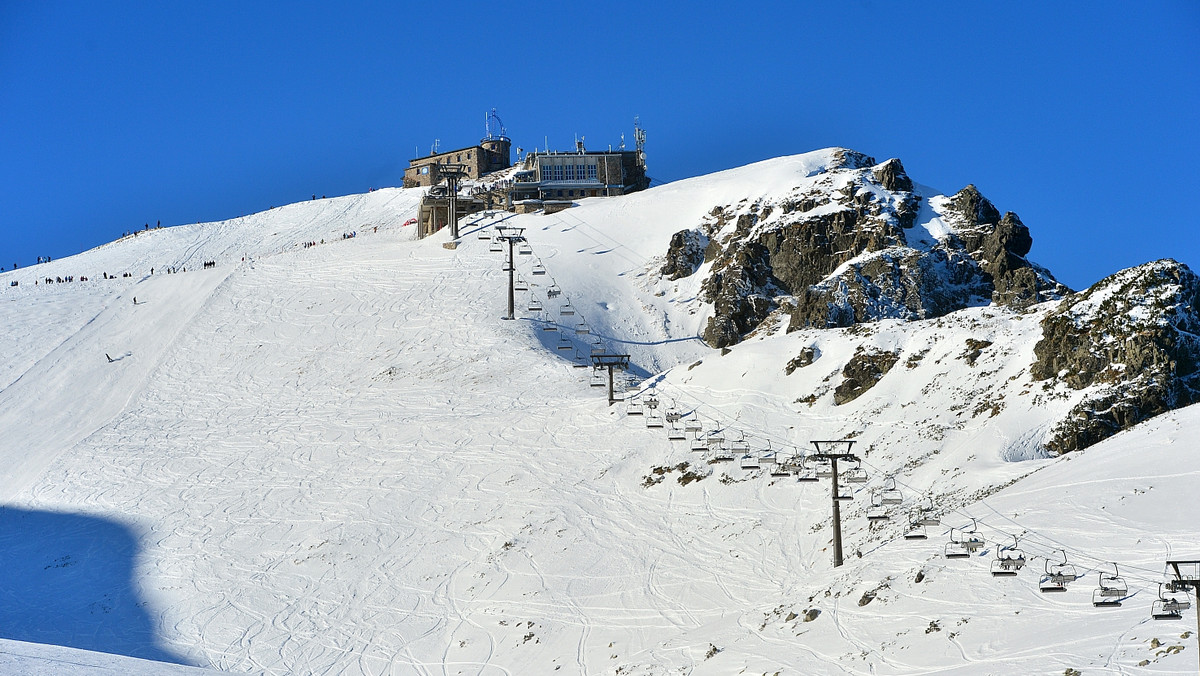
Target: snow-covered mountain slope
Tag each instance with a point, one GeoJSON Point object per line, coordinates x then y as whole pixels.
{"type": "Point", "coordinates": [340, 459]}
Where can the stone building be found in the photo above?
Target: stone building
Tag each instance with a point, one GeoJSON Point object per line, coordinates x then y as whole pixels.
{"type": "Point", "coordinates": [492, 154]}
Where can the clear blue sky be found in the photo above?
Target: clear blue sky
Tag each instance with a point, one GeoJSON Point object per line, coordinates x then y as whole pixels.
{"type": "Point", "coordinates": [1080, 117]}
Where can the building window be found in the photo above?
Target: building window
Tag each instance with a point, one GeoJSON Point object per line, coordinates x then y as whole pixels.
{"type": "Point", "coordinates": [570, 193]}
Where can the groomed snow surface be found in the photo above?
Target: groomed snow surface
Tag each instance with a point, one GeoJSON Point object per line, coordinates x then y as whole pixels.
{"type": "Point", "coordinates": [339, 459]}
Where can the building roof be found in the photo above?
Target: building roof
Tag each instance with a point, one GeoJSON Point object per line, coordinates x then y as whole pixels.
{"type": "Point", "coordinates": [446, 152]}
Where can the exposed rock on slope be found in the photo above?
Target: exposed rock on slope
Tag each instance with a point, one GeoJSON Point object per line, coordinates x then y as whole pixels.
{"type": "Point", "coordinates": [1134, 338]}
{"type": "Point", "coordinates": [855, 242]}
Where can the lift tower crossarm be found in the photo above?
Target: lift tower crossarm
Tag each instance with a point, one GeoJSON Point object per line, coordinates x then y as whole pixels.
{"type": "Point", "coordinates": [834, 451]}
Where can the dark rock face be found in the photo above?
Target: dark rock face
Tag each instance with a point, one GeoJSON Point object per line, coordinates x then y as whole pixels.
{"type": "Point", "coordinates": [838, 252]}
{"type": "Point", "coordinates": [860, 374]}
{"type": "Point", "coordinates": [806, 357]}
{"type": "Point", "coordinates": [685, 254]}
{"type": "Point", "coordinates": [1135, 336]}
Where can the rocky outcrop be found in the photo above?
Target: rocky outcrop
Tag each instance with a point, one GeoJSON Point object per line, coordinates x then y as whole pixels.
{"type": "Point", "coordinates": [684, 254]}
{"type": "Point", "coordinates": [843, 248]}
{"type": "Point", "coordinates": [999, 245]}
{"type": "Point", "coordinates": [860, 374]}
{"type": "Point", "coordinates": [1134, 339]}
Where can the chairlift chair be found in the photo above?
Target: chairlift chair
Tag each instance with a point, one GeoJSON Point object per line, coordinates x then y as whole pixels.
{"type": "Point", "coordinates": [519, 284]}
{"type": "Point", "coordinates": [567, 310]}
{"type": "Point", "coordinates": [767, 456]}
{"type": "Point", "coordinates": [1113, 584]}
{"type": "Point", "coordinates": [538, 269]}
{"type": "Point", "coordinates": [582, 328]}
{"type": "Point", "coordinates": [484, 234]}
{"type": "Point", "coordinates": [891, 495]}
{"type": "Point", "coordinates": [599, 378]}
{"type": "Point", "coordinates": [955, 548]}
{"type": "Point", "coordinates": [633, 408]}
{"type": "Point", "coordinates": [721, 454]}
{"type": "Point", "coordinates": [676, 433]}
{"type": "Point", "coordinates": [1008, 561]}
{"type": "Point", "coordinates": [553, 291]}
{"type": "Point", "coordinates": [581, 360]}
{"type": "Point", "coordinates": [693, 424]}
{"type": "Point", "coordinates": [1057, 576]}
{"type": "Point", "coordinates": [1168, 607]}
{"type": "Point", "coordinates": [823, 469]}
{"type": "Point", "coordinates": [750, 461]}
{"type": "Point", "coordinates": [564, 342]}
{"type": "Point", "coordinates": [524, 249]}
{"type": "Point", "coordinates": [926, 516]}
{"type": "Point", "coordinates": [877, 511]}
{"type": "Point", "coordinates": [806, 473]}
{"type": "Point", "coordinates": [535, 305]}
{"type": "Point", "coordinates": [916, 531]}
{"type": "Point", "coordinates": [971, 541]}
{"type": "Point", "coordinates": [845, 494]}
{"type": "Point", "coordinates": [654, 421]}
{"type": "Point", "coordinates": [699, 443]}
{"type": "Point", "coordinates": [856, 474]}
{"type": "Point", "coordinates": [496, 246]}
{"type": "Point", "coordinates": [781, 469]}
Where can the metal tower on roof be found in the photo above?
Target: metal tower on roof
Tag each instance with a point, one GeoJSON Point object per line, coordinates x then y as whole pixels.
{"type": "Point", "coordinates": [493, 127]}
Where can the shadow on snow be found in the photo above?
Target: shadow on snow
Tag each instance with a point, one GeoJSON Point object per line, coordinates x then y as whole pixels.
{"type": "Point", "coordinates": [67, 579]}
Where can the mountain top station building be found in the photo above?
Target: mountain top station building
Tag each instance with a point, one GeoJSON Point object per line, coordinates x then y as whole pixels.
{"type": "Point", "coordinates": [492, 154]}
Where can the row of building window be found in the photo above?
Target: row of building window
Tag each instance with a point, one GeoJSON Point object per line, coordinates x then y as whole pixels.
{"type": "Point", "coordinates": [569, 172]}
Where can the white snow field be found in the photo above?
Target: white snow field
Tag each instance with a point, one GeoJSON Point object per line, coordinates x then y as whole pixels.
{"type": "Point", "coordinates": [339, 459]}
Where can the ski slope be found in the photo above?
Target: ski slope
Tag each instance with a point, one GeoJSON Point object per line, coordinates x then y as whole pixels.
{"type": "Point", "coordinates": [340, 459]}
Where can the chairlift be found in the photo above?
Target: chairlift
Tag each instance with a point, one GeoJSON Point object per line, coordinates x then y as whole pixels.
{"type": "Point", "coordinates": [654, 420]}
{"type": "Point", "coordinates": [877, 511]}
{"type": "Point", "coordinates": [483, 233]}
{"type": "Point", "coordinates": [599, 378]}
{"type": "Point", "coordinates": [652, 402]}
{"type": "Point", "coordinates": [971, 540]}
{"type": "Point", "coordinates": [1008, 561]}
{"type": "Point", "coordinates": [1057, 576]}
{"type": "Point", "coordinates": [496, 246]}
{"type": "Point", "coordinates": [553, 291]}
{"type": "Point", "coordinates": [567, 310]}
{"type": "Point", "coordinates": [581, 360]}
{"type": "Point", "coordinates": [891, 495]}
{"type": "Point", "coordinates": [535, 305]}
{"type": "Point", "coordinates": [582, 328]}
{"type": "Point", "coordinates": [1110, 590]}
{"type": "Point", "coordinates": [633, 408]}
{"type": "Point", "coordinates": [564, 342]}
{"type": "Point", "coordinates": [806, 473]}
{"type": "Point", "coordinates": [845, 494]}
{"type": "Point", "coordinates": [693, 424]}
{"type": "Point", "coordinates": [767, 455]}
{"type": "Point", "coordinates": [1168, 607]}
{"type": "Point", "coordinates": [676, 433]}
{"type": "Point", "coordinates": [954, 548]}
{"type": "Point", "coordinates": [524, 249]}
{"type": "Point", "coordinates": [916, 531]}
{"type": "Point", "coordinates": [699, 443]}
{"type": "Point", "coordinates": [740, 446]}
{"type": "Point", "coordinates": [782, 468]}
{"type": "Point", "coordinates": [750, 461]}
{"type": "Point", "coordinates": [519, 284]}
{"type": "Point", "coordinates": [925, 515]}
{"type": "Point", "coordinates": [856, 474]}
{"type": "Point", "coordinates": [538, 269]}
{"type": "Point", "coordinates": [721, 454]}
{"type": "Point", "coordinates": [823, 469]}
{"type": "Point", "coordinates": [547, 325]}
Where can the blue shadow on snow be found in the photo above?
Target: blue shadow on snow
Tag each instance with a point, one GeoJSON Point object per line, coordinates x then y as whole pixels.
{"type": "Point", "coordinates": [67, 579]}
